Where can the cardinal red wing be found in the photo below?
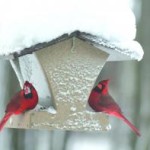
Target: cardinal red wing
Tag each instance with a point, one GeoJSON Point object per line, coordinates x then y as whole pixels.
{"type": "Point", "coordinates": [108, 105]}
{"type": "Point", "coordinates": [14, 103]}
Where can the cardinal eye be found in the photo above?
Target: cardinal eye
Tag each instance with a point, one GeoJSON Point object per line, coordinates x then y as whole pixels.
{"type": "Point", "coordinates": [100, 86]}
{"type": "Point", "coordinates": [97, 89]}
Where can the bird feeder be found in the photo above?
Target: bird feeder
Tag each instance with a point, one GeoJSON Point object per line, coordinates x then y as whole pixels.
{"type": "Point", "coordinates": [64, 72]}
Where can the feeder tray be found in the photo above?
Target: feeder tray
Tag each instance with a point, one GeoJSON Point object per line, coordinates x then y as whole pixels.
{"type": "Point", "coordinates": [64, 72]}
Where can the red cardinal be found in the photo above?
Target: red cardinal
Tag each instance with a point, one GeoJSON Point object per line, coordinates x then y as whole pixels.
{"type": "Point", "coordinates": [25, 99]}
{"type": "Point", "coordinates": [101, 101]}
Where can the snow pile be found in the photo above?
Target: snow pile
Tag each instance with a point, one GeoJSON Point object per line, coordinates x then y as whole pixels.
{"type": "Point", "coordinates": [28, 22]}
{"type": "Point", "coordinates": [51, 110]}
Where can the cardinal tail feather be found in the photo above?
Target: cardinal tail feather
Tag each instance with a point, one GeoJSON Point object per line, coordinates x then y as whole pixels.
{"type": "Point", "coordinates": [130, 125]}
{"type": "Point", "coordinates": [4, 120]}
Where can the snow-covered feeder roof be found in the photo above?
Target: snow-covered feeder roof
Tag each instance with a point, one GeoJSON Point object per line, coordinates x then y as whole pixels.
{"type": "Point", "coordinates": [26, 27]}
{"type": "Point", "coordinates": [118, 51]}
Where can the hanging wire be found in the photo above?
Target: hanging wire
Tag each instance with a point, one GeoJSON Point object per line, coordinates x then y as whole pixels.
{"type": "Point", "coordinates": [27, 67]}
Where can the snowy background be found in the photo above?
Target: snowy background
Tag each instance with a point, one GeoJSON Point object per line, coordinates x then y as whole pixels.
{"type": "Point", "coordinates": [130, 84]}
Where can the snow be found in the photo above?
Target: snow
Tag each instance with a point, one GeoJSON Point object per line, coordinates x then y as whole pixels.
{"type": "Point", "coordinates": [26, 23]}
{"type": "Point", "coordinates": [134, 45]}
{"type": "Point", "coordinates": [108, 127]}
{"type": "Point", "coordinates": [73, 109]}
{"type": "Point", "coordinates": [123, 50]}
{"type": "Point", "coordinates": [51, 110]}
{"type": "Point", "coordinates": [39, 108]}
